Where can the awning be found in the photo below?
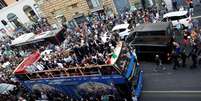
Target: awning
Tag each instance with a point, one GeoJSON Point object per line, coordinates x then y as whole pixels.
{"type": "Point", "coordinates": [31, 59]}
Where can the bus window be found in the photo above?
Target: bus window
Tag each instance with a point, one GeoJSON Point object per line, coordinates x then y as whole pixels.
{"type": "Point", "coordinates": [164, 20]}
{"type": "Point", "coordinates": [121, 30]}
{"type": "Point", "coordinates": [173, 18]}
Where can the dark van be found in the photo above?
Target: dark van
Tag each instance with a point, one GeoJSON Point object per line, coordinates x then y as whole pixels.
{"type": "Point", "coordinates": [151, 39]}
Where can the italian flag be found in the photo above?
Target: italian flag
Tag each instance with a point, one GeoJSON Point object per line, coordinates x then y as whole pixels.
{"type": "Point", "coordinates": [114, 55]}
{"type": "Point", "coordinates": [113, 58]}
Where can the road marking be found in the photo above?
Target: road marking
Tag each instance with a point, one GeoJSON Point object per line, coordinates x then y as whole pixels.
{"type": "Point", "coordinates": [196, 17]}
{"type": "Point", "coordinates": [171, 92]}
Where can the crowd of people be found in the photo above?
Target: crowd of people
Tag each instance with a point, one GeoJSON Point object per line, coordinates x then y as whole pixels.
{"type": "Point", "coordinates": [187, 48]}
{"type": "Point", "coordinates": [94, 51]}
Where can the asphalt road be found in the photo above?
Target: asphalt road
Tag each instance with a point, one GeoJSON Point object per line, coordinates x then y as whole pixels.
{"type": "Point", "coordinates": [183, 84]}
{"type": "Point", "coordinates": [171, 97]}
{"type": "Point", "coordinates": [197, 10]}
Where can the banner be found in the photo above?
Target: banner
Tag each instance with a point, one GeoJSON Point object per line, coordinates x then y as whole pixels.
{"type": "Point", "coordinates": [31, 59]}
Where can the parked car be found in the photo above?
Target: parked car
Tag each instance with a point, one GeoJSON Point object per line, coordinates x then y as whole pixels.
{"type": "Point", "coordinates": [122, 30]}
{"type": "Point", "coordinates": [182, 16]}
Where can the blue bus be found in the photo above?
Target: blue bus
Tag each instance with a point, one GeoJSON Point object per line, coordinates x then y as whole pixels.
{"type": "Point", "coordinates": [121, 78]}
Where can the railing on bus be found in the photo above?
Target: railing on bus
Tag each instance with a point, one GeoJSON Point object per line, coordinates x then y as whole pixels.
{"type": "Point", "coordinates": [93, 70]}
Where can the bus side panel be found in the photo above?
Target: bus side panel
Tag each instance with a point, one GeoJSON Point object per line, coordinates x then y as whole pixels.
{"type": "Point", "coordinates": [79, 87]}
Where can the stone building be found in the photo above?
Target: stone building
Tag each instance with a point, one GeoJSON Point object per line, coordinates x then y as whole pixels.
{"type": "Point", "coordinates": [75, 10]}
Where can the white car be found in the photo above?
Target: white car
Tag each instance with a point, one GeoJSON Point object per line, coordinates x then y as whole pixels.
{"type": "Point", "coordinates": [122, 30]}
{"type": "Point", "coordinates": [183, 17]}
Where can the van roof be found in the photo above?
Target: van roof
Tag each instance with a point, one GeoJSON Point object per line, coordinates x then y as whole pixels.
{"type": "Point", "coordinates": [121, 26]}
{"type": "Point", "coordinates": [160, 26]}
{"type": "Point", "coordinates": [176, 13]}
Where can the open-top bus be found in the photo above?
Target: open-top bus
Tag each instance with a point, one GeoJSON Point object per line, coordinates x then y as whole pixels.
{"type": "Point", "coordinates": [120, 78]}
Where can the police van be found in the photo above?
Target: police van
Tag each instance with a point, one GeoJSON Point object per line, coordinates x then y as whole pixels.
{"type": "Point", "coordinates": [152, 39]}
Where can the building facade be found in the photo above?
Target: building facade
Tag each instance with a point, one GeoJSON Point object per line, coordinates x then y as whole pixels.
{"type": "Point", "coordinates": [9, 2]}
{"type": "Point", "coordinates": [57, 10]}
{"type": "Point", "coordinates": [16, 14]}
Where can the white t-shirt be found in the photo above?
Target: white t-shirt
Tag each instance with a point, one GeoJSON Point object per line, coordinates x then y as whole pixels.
{"type": "Point", "coordinates": [60, 65]}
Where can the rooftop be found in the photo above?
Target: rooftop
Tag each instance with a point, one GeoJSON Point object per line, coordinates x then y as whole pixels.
{"type": "Point", "coordinates": [121, 26]}
{"type": "Point", "coordinates": [161, 26]}
{"type": "Point", "coordinates": [175, 13]}
{"type": "Point", "coordinates": [31, 37]}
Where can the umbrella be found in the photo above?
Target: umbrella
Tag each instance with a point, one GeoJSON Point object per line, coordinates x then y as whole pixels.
{"type": "Point", "coordinates": [5, 88]}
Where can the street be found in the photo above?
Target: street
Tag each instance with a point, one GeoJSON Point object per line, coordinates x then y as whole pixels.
{"type": "Point", "coordinates": [171, 85]}
{"type": "Point", "coordinates": [197, 12]}
{"type": "Point", "coordinates": [171, 97]}
{"type": "Point", "coordinates": [183, 84]}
